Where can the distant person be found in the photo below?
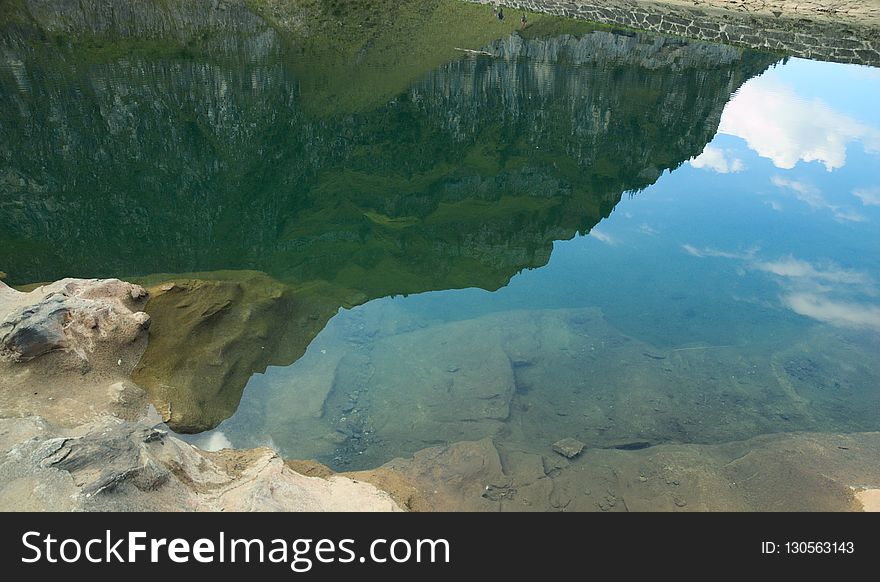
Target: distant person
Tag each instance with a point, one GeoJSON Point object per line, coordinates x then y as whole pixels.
{"type": "Point", "coordinates": [522, 21]}
{"type": "Point", "coordinates": [501, 14]}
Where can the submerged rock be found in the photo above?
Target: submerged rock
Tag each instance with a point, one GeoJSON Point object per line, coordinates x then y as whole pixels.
{"type": "Point", "coordinates": [778, 472]}
{"type": "Point", "coordinates": [568, 447]}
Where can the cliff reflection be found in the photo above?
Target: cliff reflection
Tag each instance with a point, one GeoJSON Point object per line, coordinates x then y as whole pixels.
{"type": "Point", "coordinates": [183, 162]}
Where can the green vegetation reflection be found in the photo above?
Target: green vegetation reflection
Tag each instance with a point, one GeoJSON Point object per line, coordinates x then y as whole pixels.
{"type": "Point", "coordinates": [343, 159]}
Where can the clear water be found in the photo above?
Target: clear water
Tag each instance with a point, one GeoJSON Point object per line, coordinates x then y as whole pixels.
{"type": "Point", "coordinates": [560, 240]}
{"type": "Point", "coordinates": [737, 296]}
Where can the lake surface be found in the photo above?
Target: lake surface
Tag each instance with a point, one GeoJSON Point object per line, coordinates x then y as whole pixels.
{"type": "Point", "coordinates": [734, 297]}
{"type": "Point", "coordinates": [620, 238]}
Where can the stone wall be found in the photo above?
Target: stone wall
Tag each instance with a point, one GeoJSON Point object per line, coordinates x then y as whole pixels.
{"type": "Point", "coordinates": [845, 40]}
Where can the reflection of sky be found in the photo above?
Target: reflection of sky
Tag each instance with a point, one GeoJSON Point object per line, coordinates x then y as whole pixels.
{"type": "Point", "coordinates": [752, 243]}
{"type": "Point", "coordinates": [787, 120]}
{"type": "Point", "coordinates": [775, 225]}
{"type": "Point", "coordinates": [803, 214]}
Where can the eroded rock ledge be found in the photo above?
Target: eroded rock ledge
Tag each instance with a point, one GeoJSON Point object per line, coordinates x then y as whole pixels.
{"type": "Point", "coordinates": [77, 434]}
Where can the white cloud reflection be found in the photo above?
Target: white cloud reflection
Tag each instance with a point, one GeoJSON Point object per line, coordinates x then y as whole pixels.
{"type": "Point", "coordinates": [717, 160]}
{"type": "Point", "coordinates": [822, 291]}
{"type": "Point", "coordinates": [602, 237]}
{"type": "Point", "coordinates": [793, 268]}
{"type": "Point", "coordinates": [839, 313]}
{"type": "Point", "coordinates": [213, 441]}
{"type": "Point", "coordinates": [813, 197]}
{"type": "Point", "coordinates": [868, 196]}
{"type": "Point", "coordinates": [710, 252]}
{"type": "Point", "coordinates": [780, 125]}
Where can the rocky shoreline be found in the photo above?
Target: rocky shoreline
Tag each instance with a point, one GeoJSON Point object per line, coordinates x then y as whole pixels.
{"type": "Point", "coordinates": [76, 433]}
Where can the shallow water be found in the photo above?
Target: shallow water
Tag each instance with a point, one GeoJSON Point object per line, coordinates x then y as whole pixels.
{"type": "Point", "coordinates": [628, 240]}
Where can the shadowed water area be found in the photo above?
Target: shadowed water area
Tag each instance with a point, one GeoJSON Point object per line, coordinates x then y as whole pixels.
{"type": "Point", "coordinates": [361, 248]}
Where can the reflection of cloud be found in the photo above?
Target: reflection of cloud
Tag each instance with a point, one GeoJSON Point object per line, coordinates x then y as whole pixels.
{"type": "Point", "coordinates": [602, 237]}
{"type": "Point", "coordinates": [849, 215]}
{"type": "Point", "coordinates": [780, 125]}
{"type": "Point", "coordinates": [812, 196]}
{"type": "Point", "coordinates": [798, 269]}
{"type": "Point", "coordinates": [710, 252]}
{"type": "Point", "coordinates": [645, 228]}
{"type": "Point", "coordinates": [214, 442]}
{"type": "Point", "coordinates": [868, 196]}
{"type": "Point", "coordinates": [806, 193]}
{"type": "Point", "coordinates": [839, 313]}
{"type": "Point", "coordinates": [716, 159]}
{"type": "Point", "coordinates": [822, 291]}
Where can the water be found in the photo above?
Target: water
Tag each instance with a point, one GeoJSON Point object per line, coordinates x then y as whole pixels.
{"type": "Point", "coordinates": [630, 241]}
{"type": "Point", "coordinates": [735, 297]}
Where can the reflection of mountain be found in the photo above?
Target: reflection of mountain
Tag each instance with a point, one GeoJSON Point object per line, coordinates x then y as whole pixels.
{"type": "Point", "coordinates": [171, 160]}
{"type": "Point", "coordinates": [145, 165]}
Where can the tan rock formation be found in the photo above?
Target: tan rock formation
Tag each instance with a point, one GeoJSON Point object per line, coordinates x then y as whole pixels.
{"type": "Point", "coordinates": [212, 332]}
{"type": "Point", "coordinates": [77, 434]}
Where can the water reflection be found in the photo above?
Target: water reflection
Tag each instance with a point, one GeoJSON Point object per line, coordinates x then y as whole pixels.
{"type": "Point", "coordinates": [179, 166]}
{"type": "Point", "coordinates": [715, 306]}
{"type": "Point", "coordinates": [787, 128]}
{"type": "Point", "coordinates": [402, 265]}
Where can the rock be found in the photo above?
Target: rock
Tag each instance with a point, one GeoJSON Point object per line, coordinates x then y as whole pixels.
{"type": "Point", "coordinates": [211, 332]}
{"type": "Point", "coordinates": [310, 468]}
{"type": "Point", "coordinates": [119, 465]}
{"type": "Point", "coordinates": [405, 493]}
{"type": "Point", "coordinates": [75, 316]}
{"type": "Point", "coordinates": [410, 371]}
{"type": "Point", "coordinates": [788, 472]}
{"type": "Point", "coordinates": [76, 438]}
{"type": "Point", "coordinates": [568, 447]}
{"type": "Point", "coordinates": [455, 476]}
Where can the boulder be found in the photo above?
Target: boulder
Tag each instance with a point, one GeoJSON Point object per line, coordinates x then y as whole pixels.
{"type": "Point", "coordinates": [76, 434]}
{"type": "Point", "coordinates": [75, 316]}
{"type": "Point", "coordinates": [112, 464]}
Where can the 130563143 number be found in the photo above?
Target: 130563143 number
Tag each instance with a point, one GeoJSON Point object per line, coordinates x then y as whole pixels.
{"type": "Point", "coordinates": [824, 547]}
